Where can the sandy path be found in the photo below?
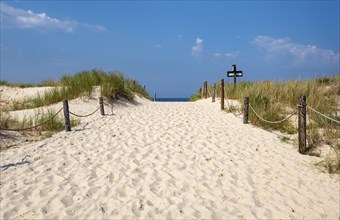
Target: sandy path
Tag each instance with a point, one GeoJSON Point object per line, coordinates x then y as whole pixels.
{"type": "Point", "coordinates": [165, 160]}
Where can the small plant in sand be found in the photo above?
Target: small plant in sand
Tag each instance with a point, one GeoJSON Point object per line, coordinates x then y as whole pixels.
{"type": "Point", "coordinates": [196, 96]}
{"type": "Point", "coordinates": [332, 161]}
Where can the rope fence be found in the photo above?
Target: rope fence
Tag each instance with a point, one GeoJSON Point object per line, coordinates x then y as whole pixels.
{"type": "Point", "coordinates": [325, 116]}
{"type": "Point", "coordinates": [301, 112]}
{"type": "Point", "coordinates": [272, 122]}
{"type": "Point", "coordinates": [302, 116]}
{"type": "Point", "coordinates": [84, 116]}
{"type": "Point", "coordinates": [66, 117]}
{"type": "Point", "coordinates": [33, 127]}
{"type": "Point", "coordinates": [232, 108]}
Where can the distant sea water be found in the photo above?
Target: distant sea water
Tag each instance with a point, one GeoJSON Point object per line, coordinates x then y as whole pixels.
{"type": "Point", "coordinates": [172, 100]}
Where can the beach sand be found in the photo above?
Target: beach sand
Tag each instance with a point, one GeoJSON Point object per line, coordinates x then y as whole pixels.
{"type": "Point", "coordinates": [164, 160]}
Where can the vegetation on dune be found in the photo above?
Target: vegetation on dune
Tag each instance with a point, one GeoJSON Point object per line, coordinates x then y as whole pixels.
{"type": "Point", "coordinates": [48, 126]}
{"type": "Point", "coordinates": [113, 84]}
{"type": "Point", "coordinates": [276, 100]}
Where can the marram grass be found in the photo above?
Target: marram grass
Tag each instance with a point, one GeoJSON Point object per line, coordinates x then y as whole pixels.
{"type": "Point", "coordinates": [274, 100]}
{"type": "Point", "coordinates": [46, 129]}
{"type": "Point", "coordinates": [113, 84]}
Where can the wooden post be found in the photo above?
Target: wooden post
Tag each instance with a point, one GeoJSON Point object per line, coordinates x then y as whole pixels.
{"type": "Point", "coordinates": [101, 104]}
{"type": "Point", "coordinates": [302, 125]}
{"type": "Point", "coordinates": [213, 93]}
{"type": "Point", "coordinates": [66, 116]}
{"type": "Point", "coordinates": [222, 93]}
{"type": "Point", "coordinates": [202, 91]}
{"type": "Point", "coordinates": [154, 98]}
{"type": "Point", "coordinates": [245, 110]}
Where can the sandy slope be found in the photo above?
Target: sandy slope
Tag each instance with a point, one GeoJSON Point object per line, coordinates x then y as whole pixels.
{"type": "Point", "coordinates": [15, 93]}
{"type": "Point", "coordinates": [164, 160]}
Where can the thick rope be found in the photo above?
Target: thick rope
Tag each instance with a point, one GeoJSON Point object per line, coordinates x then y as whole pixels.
{"type": "Point", "coordinates": [232, 107]}
{"type": "Point", "coordinates": [84, 116]}
{"type": "Point", "coordinates": [23, 129]}
{"type": "Point", "coordinates": [272, 122]}
{"type": "Point", "coordinates": [238, 115]}
{"type": "Point", "coordinates": [332, 119]}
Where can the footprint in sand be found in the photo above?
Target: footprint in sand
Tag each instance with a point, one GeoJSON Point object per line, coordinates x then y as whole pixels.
{"type": "Point", "coordinates": [67, 201]}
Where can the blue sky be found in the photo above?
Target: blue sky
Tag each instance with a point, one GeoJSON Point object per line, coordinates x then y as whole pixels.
{"type": "Point", "coordinates": [170, 46]}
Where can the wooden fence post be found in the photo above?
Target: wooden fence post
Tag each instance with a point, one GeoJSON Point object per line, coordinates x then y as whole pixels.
{"type": "Point", "coordinates": [202, 91]}
{"type": "Point", "coordinates": [205, 90]}
{"type": "Point", "coordinates": [101, 104]}
{"type": "Point", "coordinates": [245, 110]}
{"type": "Point", "coordinates": [302, 125]}
{"type": "Point", "coordinates": [222, 93]}
{"type": "Point", "coordinates": [213, 93]}
{"type": "Point", "coordinates": [154, 98]}
{"type": "Point", "coordinates": [66, 116]}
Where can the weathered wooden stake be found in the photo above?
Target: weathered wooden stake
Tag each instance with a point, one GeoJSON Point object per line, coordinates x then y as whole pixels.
{"type": "Point", "coordinates": [222, 93]}
{"type": "Point", "coordinates": [101, 104]}
{"type": "Point", "coordinates": [66, 116]}
{"type": "Point", "coordinates": [214, 93]}
{"type": "Point", "coordinates": [302, 125]}
{"type": "Point", "coordinates": [154, 98]}
{"type": "Point", "coordinates": [245, 110]}
{"type": "Point", "coordinates": [202, 91]}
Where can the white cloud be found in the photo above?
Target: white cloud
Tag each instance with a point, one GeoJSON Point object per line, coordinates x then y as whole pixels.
{"type": "Point", "coordinates": [302, 54]}
{"type": "Point", "coordinates": [198, 47]}
{"type": "Point", "coordinates": [227, 55]}
{"type": "Point", "coordinates": [217, 55]}
{"type": "Point", "coordinates": [18, 18]}
{"type": "Point", "coordinates": [232, 54]}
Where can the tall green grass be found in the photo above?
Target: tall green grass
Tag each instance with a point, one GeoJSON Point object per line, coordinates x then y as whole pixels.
{"type": "Point", "coordinates": [113, 84]}
{"type": "Point", "coordinates": [28, 85]}
{"type": "Point", "coordinates": [47, 129]}
{"type": "Point", "coordinates": [275, 100]}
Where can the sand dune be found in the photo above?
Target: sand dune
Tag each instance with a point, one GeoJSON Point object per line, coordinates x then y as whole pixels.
{"type": "Point", "coordinates": [164, 160]}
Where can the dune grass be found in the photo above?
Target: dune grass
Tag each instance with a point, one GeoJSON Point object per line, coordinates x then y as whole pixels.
{"type": "Point", "coordinates": [276, 100]}
{"type": "Point", "coordinates": [45, 130]}
{"type": "Point", "coordinates": [113, 84]}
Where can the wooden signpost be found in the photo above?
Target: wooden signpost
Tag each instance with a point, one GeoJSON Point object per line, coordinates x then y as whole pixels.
{"type": "Point", "coordinates": [235, 73]}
